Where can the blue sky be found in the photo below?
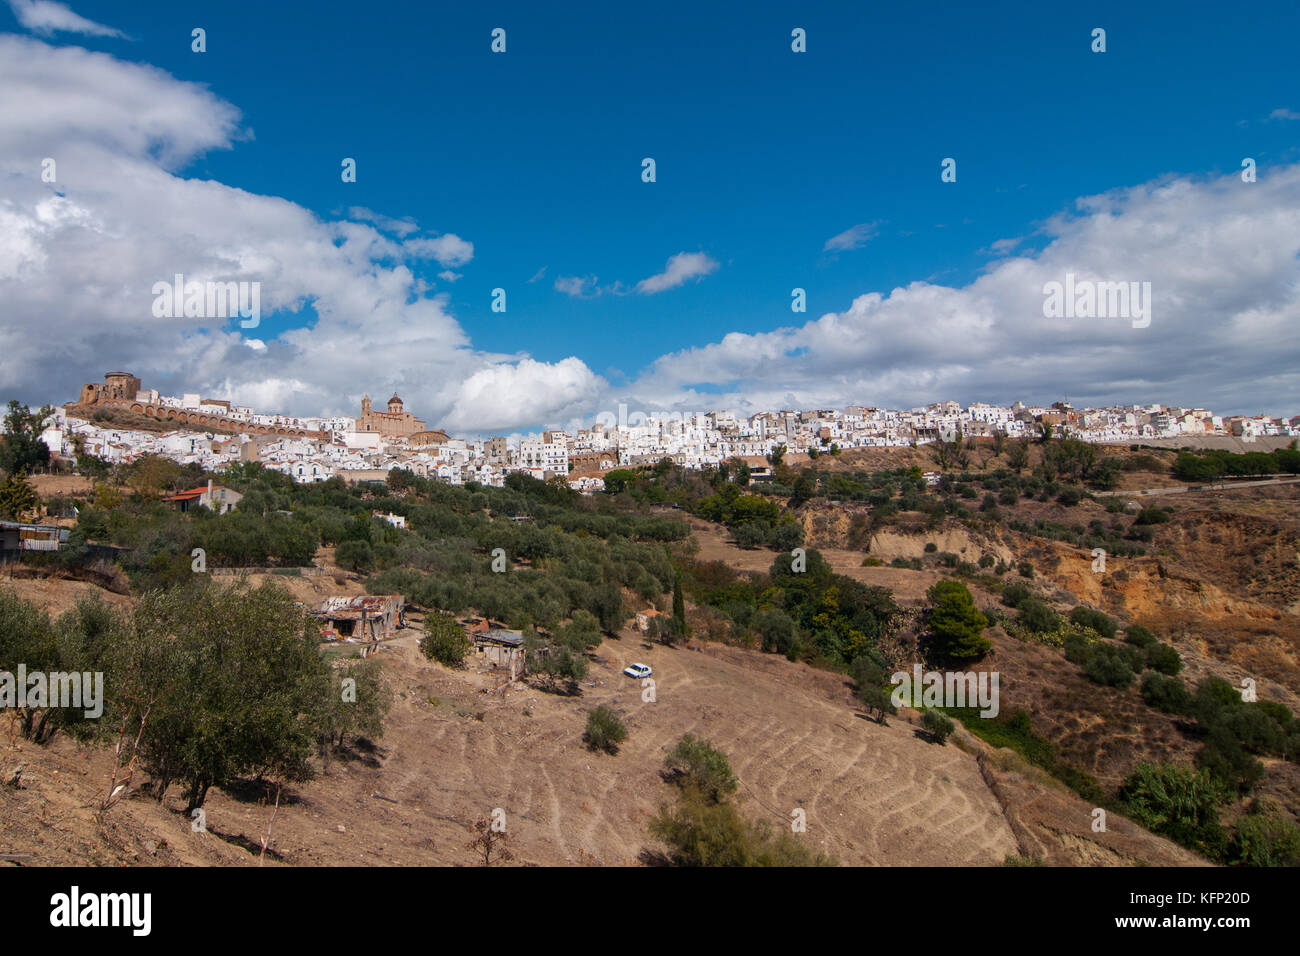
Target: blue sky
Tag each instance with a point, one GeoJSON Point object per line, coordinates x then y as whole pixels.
{"type": "Point", "coordinates": [763, 155]}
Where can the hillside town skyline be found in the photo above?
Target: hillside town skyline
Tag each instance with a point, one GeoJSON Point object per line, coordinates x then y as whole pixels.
{"type": "Point", "coordinates": [216, 433]}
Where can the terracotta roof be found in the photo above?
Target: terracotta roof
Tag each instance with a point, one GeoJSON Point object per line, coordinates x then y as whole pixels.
{"type": "Point", "coordinates": [192, 493]}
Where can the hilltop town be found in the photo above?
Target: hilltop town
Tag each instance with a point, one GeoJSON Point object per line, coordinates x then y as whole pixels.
{"type": "Point", "coordinates": [215, 433]}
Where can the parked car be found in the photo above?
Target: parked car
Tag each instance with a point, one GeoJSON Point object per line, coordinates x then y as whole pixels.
{"type": "Point", "coordinates": [638, 671]}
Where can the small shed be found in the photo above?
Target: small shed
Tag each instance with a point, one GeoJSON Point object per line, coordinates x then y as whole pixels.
{"type": "Point", "coordinates": [500, 647]}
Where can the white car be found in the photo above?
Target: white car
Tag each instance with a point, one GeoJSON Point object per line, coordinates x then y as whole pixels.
{"type": "Point", "coordinates": [638, 671]}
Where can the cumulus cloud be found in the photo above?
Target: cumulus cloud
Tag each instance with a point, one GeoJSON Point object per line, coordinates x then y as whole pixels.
{"type": "Point", "coordinates": [1222, 260]}
{"type": "Point", "coordinates": [501, 396]}
{"type": "Point", "coordinates": [679, 269]}
{"type": "Point", "coordinates": [1284, 114]}
{"type": "Point", "coordinates": [46, 18]}
{"type": "Point", "coordinates": [852, 238]}
{"type": "Point", "coordinates": [79, 257]}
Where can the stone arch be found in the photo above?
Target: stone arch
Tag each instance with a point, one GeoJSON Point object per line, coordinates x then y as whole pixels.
{"type": "Point", "coordinates": [137, 407]}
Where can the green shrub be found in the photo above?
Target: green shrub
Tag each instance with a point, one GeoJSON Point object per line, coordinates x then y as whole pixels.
{"type": "Point", "coordinates": [1013, 594]}
{"type": "Point", "coordinates": [445, 640]}
{"type": "Point", "coordinates": [1163, 658]}
{"type": "Point", "coordinates": [937, 725]}
{"type": "Point", "coordinates": [697, 763]}
{"type": "Point", "coordinates": [1139, 635]}
{"type": "Point", "coordinates": [1152, 515]}
{"type": "Point", "coordinates": [1090, 617]}
{"type": "Point", "coordinates": [1177, 802]}
{"type": "Point", "coordinates": [1037, 616]}
{"type": "Point", "coordinates": [1070, 496]}
{"type": "Point", "coordinates": [1106, 667]}
{"type": "Point", "coordinates": [1165, 694]}
{"type": "Point", "coordinates": [605, 731]}
{"type": "Point", "coordinates": [1266, 840]}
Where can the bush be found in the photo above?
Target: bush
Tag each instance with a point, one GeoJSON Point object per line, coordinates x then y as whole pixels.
{"type": "Point", "coordinates": [445, 640]}
{"type": "Point", "coordinates": [1163, 658]}
{"type": "Point", "coordinates": [937, 725]}
{"type": "Point", "coordinates": [931, 547]}
{"type": "Point", "coordinates": [751, 535]}
{"type": "Point", "coordinates": [1070, 496]}
{"type": "Point", "coordinates": [1225, 759]}
{"type": "Point", "coordinates": [605, 731]}
{"type": "Point", "coordinates": [1105, 666]}
{"type": "Point", "coordinates": [1037, 616]}
{"type": "Point", "coordinates": [1026, 569]}
{"type": "Point", "coordinates": [1266, 840]}
{"type": "Point", "coordinates": [699, 833]}
{"type": "Point", "coordinates": [696, 763]}
{"type": "Point", "coordinates": [1177, 802]}
{"type": "Point", "coordinates": [1139, 635]}
{"type": "Point", "coordinates": [1090, 617]}
{"type": "Point", "coordinates": [785, 537]}
{"type": "Point", "coordinates": [1166, 694]}
{"type": "Point", "coordinates": [1152, 515]}
{"type": "Point", "coordinates": [1015, 593]}
{"type": "Point", "coordinates": [986, 561]}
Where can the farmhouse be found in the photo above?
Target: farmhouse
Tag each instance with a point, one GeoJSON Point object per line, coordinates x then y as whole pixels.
{"type": "Point", "coordinates": [216, 497]}
{"type": "Point", "coordinates": [361, 618]}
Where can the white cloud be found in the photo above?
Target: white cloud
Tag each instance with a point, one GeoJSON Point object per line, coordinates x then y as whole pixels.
{"type": "Point", "coordinates": [1222, 257]}
{"type": "Point", "coordinates": [448, 276]}
{"type": "Point", "coordinates": [1284, 114]}
{"type": "Point", "coordinates": [679, 269]}
{"type": "Point", "coordinates": [46, 18]}
{"type": "Point", "coordinates": [576, 286]}
{"type": "Point", "coordinates": [448, 250]}
{"type": "Point", "coordinates": [852, 238]}
{"type": "Point", "coordinates": [504, 395]}
{"type": "Point", "coordinates": [537, 275]}
{"type": "Point", "coordinates": [402, 227]}
{"type": "Point", "coordinates": [79, 257]}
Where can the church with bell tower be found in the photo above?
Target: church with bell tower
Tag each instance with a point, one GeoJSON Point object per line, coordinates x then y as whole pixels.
{"type": "Point", "coordinates": [396, 422]}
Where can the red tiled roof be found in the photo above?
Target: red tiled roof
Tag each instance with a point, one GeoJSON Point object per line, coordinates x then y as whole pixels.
{"type": "Point", "coordinates": [192, 493]}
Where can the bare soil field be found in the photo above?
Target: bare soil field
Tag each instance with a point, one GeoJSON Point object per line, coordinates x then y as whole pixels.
{"type": "Point", "coordinates": [909, 587]}
{"type": "Point", "coordinates": [459, 746]}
